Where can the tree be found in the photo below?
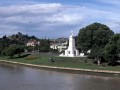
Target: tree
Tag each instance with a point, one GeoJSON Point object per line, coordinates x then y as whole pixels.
{"type": "Point", "coordinates": [15, 39]}
{"type": "Point", "coordinates": [29, 48]}
{"type": "Point", "coordinates": [44, 45]}
{"type": "Point", "coordinates": [10, 51]}
{"type": "Point", "coordinates": [13, 50]}
{"type": "Point", "coordinates": [19, 50]}
{"type": "Point", "coordinates": [112, 49]}
{"type": "Point", "coordinates": [94, 37]}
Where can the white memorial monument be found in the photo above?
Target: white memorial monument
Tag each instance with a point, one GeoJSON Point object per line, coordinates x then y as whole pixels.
{"type": "Point", "coordinates": [72, 51]}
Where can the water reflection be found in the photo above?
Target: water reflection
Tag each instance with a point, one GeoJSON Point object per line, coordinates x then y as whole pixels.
{"type": "Point", "coordinates": [13, 77]}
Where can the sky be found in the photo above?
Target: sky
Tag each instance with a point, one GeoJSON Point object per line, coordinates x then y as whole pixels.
{"type": "Point", "coordinates": [56, 18]}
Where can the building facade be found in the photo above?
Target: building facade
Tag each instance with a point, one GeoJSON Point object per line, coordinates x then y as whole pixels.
{"type": "Point", "coordinates": [33, 43]}
{"type": "Point", "coordinates": [59, 46]}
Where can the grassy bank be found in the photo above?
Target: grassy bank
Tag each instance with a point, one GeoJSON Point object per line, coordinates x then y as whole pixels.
{"type": "Point", "coordinates": [76, 62]}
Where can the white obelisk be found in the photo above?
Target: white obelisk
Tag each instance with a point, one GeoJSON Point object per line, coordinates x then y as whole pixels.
{"type": "Point", "coordinates": [71, 51]}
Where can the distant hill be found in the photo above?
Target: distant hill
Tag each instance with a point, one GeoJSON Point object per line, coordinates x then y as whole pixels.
{"type": "Point", "coordinates": [17, 39]}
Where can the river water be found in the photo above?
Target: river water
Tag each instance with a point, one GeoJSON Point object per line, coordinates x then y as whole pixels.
{"type": "Point", "coordinates": [14, 77]}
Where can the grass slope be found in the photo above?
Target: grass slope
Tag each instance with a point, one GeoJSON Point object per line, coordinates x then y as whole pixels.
{"type": "Point", "coordinates": [76, 62]}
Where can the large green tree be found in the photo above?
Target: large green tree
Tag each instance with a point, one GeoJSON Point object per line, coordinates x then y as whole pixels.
{"type": "Point", "coordinates": [112, 49]}
{"type": "Point", "coordinates": [94, 37]}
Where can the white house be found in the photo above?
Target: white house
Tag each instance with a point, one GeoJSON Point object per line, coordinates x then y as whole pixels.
{"type": "Point", "coordinates": [59, 46]}
{"type": "Point", "coordinates": [33, 42]}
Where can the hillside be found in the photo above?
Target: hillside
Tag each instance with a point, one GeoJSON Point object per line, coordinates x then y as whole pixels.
{"type": "Point", "coordinates": [17, 39]}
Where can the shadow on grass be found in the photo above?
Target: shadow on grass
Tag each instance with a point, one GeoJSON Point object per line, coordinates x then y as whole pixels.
{"type": "Point", "coordinates": [22, 56]}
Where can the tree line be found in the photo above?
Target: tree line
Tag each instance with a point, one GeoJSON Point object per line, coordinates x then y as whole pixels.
{"type": "Point", "coordinates": [101, 41]}
{"type": "Point", "coordinates": [16, 45]}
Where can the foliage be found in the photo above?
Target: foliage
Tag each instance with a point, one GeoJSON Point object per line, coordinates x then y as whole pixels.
{"type": "Point", "coordinates": [96, 52]}
{"type": "Point", "coordinates": [55, 50]}
{"type": "Point", "coordinates": [94, 37]}
{"type": "Point", "coordinates": [10, 51]}
{"type": "Point", "coordinates": [4, 42]}
{"type": "Point", "coordinates": [13, 50]}
{"type": "Point", "coordinates": [112, 49]}
{"type": "Point", "coordinates": [18, 39]}
{"type": "Point", "coordinates": [19, 50]}
{"type": "Point", "coordinates": [44, 45]}
{"type": "Point", "coordinates": [29, 48]}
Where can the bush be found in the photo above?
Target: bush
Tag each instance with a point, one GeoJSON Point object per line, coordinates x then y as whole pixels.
{"type": "Point", "coordinates": [31, 57]}
{"type": "Point", "coordinates": [113, 63]}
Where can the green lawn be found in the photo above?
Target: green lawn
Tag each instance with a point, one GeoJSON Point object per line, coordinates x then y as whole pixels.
{"type": "Point", "coordinates": [76, 62]}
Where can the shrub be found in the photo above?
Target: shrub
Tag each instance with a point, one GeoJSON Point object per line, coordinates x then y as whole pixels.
{"type": "Point", "coordinates": [113, 63]}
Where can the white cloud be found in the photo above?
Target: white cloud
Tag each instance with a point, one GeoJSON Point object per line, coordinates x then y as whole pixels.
{"type": "Point", "coordinates": [29, 8]}
{"type": "Point", "coordinates": [52, 17]}
{"type": "Point", "coordinates": [47, 13]}
{"type": "Point", "coordinates": [65, 18]}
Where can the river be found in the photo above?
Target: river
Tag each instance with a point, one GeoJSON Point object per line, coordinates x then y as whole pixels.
{"type": "Point", "coordinates": [14, 77]}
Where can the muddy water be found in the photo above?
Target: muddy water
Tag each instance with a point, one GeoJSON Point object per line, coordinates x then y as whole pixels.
{"type": "Point", "coordinates": [13, 77]}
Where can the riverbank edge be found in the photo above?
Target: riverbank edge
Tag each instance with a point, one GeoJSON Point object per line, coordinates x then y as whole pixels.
{"type": "Point", "coordinates": [62, 68]}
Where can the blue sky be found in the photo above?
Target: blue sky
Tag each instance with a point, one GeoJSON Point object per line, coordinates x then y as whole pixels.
{"type": "Point", "coordinates": [56, 18]}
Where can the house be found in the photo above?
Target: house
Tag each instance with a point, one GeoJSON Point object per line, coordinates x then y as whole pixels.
{"type": "Point", "coordinates": [33, 42]}
{"type": "Point", "coordinates": [59, 46]}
